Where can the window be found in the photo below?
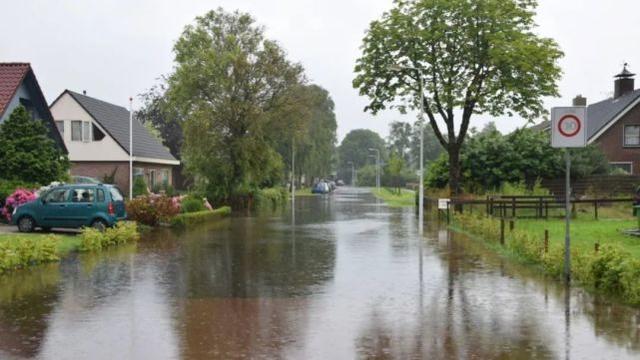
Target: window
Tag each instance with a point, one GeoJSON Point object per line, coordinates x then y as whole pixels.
{"type": "Point", "coordinates": [626, 167]}
{"type": "Point", "coordinates": [138, 172]}
{"type": "Point", "coordinates": [100, 195]}
{"type": "Point", "coordinates": [60, 126]}
{"type": "Point", "coordinates": [632, 135]}
{"type": "Point", "coordinates": [83, 195]}
{"type": "Point", "coordinates": [152, 179]}
{"type": "Point", "coordinates": [97, 134]}
{"type": "Point", "coordinates": [76, 131]}
{"type": "Point", "coordinates": [57, 196]}
{"type": "Point", "coordinates": [165, 178]}
{"type": "Point", "coordinates": [80, 131]}
{"type": "Point", "coordinates": [116, 195]}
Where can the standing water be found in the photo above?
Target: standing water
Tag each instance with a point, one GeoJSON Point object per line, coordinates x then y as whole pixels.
{"type": "Point", "coordinates": [351, 279]}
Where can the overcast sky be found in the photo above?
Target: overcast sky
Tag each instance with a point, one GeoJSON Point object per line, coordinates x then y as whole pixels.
{"type": "Point", "coordinates": [114, 49]}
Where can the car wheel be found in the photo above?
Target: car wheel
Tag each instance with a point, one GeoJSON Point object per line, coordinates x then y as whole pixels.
{"type": "Point", "coordinates": [26, 224]}
{"type": "Point", "coordinates": [99, 224]}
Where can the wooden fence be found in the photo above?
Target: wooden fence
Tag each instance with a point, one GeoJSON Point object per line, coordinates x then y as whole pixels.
{"type": "Point", "coordinates": [603, 185]}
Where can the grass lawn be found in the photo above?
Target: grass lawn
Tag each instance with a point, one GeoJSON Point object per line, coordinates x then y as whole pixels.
{"type": "Point", "coordinates": [586, 232]}
{"type": "Point", "coordinates": [303, 191]}
{"type": "Point", "coordinates": [66, 243]}
{"type": "Point", "coordinates": [392, 198]}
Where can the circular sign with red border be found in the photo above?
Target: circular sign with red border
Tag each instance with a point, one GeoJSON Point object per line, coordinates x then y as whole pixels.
{"type": "Point", "coordinates": [569, 125]}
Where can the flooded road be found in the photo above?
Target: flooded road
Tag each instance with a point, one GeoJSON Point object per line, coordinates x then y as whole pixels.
{"type": "Point", "coordinates": [352, 279]}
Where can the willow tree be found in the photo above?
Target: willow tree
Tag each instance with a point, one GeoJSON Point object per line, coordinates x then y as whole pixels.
{"type": "Point", "coordinates": [475, 57]}
{"type": "Point", "coordinates": [229, 82]}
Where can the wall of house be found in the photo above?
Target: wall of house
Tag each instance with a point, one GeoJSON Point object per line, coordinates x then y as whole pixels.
{"type": "Point", "coordinates": [67, 109]}
{"type": "Point", "coordinates": [98, 170]}
{"type": "Point", "coordinates": [612, 142]}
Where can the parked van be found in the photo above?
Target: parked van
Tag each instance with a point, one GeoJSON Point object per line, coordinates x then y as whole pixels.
{"type": "Point", "coordinates": [72, 206]}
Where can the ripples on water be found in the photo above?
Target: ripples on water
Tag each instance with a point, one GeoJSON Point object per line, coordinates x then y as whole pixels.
{"type": "Point", "coordinates": [351, 279]}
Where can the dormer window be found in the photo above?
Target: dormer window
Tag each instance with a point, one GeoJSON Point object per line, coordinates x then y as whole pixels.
{"type": "Point", "coordinates": [80, 131]}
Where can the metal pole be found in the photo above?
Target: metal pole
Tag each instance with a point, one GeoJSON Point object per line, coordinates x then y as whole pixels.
{"type": "Point", "coordinates": [378, 172]}
{"type": "Point", "coordinates": [421, 191]}
{"type": "Point", "coordinates": [293, 175]}
{"type": "Point", "coordinates": [130, 148]}
{"type": "Point", "coordinates": [567, 236]}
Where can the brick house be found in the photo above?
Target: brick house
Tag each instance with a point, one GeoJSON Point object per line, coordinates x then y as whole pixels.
{"type": "Point", "coordinates": [614, 124]}
{"type": "Point", "coordinates": [19, 86]}
{"type": "Point", "coordinates": [96, 134]}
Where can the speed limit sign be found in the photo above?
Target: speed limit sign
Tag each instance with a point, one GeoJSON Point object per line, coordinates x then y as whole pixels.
{"type": "Point", "coordinates": [569, 127]}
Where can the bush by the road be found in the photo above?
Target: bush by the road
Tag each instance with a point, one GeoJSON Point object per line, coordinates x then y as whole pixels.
{"type": "Point", "coordinates": [270, 197]}
{"type": "Point", "coordinates": [93, 239]}
{"type": "Point", "coordinates": [612, 270]}
{"type": "Point", "coordinates": [191, 204]}
{"type": "Point", "coordinates": [20, 252]}
{"type": "Point", "coordinates": [192, 218]}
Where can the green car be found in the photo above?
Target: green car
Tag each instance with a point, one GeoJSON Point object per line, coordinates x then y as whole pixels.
{"type": "Point", "coordinates": [72, 206]}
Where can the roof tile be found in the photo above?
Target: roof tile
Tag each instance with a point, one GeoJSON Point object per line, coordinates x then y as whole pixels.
{"type": "Point", "coordinates": [11, 75]}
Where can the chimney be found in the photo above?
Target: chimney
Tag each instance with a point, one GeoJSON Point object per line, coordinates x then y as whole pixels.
{"type": "Point", "coordinates": [579, 101]}
{"type": "Point", "coordinates": [84, 92]}
{"type": "Point", "coordinates": [624, 83]}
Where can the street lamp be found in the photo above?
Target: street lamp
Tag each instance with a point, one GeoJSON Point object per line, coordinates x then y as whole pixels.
{"type": "Point", "coordinates": [353, 173]}
{"type": "Point", "coordinates": [397, 68]}
{"type": "Point", "coordinates": [377, 167]}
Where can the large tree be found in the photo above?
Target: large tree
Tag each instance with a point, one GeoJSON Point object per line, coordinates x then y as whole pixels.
{"type": "Point", "coordinates": [163, 116]}
{"type": "Point", "coordinates": [475, 56]}
{"type": "Point", "coordinates": [229, 81]}
{"type": "Point", "coordinates": [355, 148]}
{"type": "Point", "coordinates": [28, 153]}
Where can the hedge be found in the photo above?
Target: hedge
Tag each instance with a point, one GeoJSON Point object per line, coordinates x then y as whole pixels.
{"type": "Point", "coordinates": [92, 239]}
{"type": "Point", "coordinates": [199, 217]}
{"type": "Point", "coordinates": [20, 252]}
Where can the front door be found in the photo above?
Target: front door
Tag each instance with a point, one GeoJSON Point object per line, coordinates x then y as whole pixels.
{"type": "Point", "coordinates": [55, 208]}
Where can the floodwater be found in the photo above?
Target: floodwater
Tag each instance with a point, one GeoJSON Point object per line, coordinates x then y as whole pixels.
{"type": "Point", "coordinates": [351, 279]}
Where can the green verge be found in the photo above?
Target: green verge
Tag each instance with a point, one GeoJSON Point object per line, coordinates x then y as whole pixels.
{"type": "Point", "coordinates": [393, 199]}
{"type": "Point", "coordinates": [304, 192]}
{"type": "Point", "coordinates": [188, 219]}
{"type": "Point", "coordinates": [613, 270]}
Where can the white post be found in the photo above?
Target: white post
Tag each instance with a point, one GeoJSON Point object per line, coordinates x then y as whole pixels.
{"type": "Point", "coordinates": [130, 148]}
{"type": "Point", "coordinates": [293, 174]}
{"type": "Point", "coordinates": [567, 204]}
{"type": "Point", "coordinates": [421, 191]}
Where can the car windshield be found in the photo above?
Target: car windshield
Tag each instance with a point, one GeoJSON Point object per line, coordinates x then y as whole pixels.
{"type": "Point", "coordinates": [116, 195]}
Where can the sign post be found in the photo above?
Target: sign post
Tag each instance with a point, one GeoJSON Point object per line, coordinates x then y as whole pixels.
{"type": "Point", "coordinates": [568, 130]}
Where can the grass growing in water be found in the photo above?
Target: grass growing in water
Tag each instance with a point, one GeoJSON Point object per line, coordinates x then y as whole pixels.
{"type": "Point", "coordinates": [392, 198]}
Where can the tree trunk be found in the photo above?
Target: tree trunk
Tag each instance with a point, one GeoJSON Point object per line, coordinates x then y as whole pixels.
{"type": "Point", "coordinates": [454, 170]}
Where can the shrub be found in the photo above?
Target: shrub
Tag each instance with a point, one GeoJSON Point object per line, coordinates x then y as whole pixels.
{"type": "Point", "coordinates": [7, 187]}
{"type": "Point", "coordinates": [140, 187]}
{"type": "Point", "coordinates": [141, 209]}
{"type": "Point", "coordinates": [191, 204]}
{"type": "Point", "coordinates": [166, 207]}
{"type": "Point", "coordinates": [92, 239]}
{"type": "Point", "coordinates": [19, 197]}
{"type": "Point", "coordinates": [192, 218]}
{"type": "Point", "coordinates": [22, 252]}
{"type": "Point", "coordinates": [270, 197]}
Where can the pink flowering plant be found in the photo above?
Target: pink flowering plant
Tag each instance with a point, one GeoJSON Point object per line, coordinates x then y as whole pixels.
{"type": "Point", "coordinates": [19, 197]}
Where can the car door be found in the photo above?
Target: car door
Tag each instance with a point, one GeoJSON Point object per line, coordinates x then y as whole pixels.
{"type": "Point", "coordinates": [82, 206]}
{"type": "Point", "coordinates": [55, 210]}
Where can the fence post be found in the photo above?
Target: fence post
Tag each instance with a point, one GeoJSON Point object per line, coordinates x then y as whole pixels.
{"type": "Point", "coordinates": [448, 206]}
{"type": "Point", "coordinates": [540, 207]}
{"type": "Point", "coordinates": [546, 241]}
{"type": "Point", "coordinates": [595, 204]}
{"type": "Point", "coordinates": [511, 225]}
{"type": "Point", "coordinates": [513, 207]}
{"type": "Point", "coordinates": [501, 231]}
{"type": "Point", "coordinates": [596, 247]}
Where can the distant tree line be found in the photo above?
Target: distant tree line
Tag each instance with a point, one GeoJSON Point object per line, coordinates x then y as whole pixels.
{"type": "Point", "coordinates": [235, 109]}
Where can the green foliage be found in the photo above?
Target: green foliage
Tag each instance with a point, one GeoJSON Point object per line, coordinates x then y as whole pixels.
{"type": "Point", "coordinates": [93, 240]}
{"type": "Point", "coordinates": [159, 113]}
{"type": "Point", "coordinates": [28, 153]}
{"type": "Point", "coordinates": [192, 204]}
{"type": "Point", "coordinates": [476, 57]}
{"type": "Point", "coordinates": [490, 159]}
{"type": "Point", "coordinates": [271, 198]}
{"type": "Point", "coordinates": [21, 252]}
{"type": "Point", "coordinates": [140, 187]}
{"type": "Point", "coordinates": [227, 145]}
{"type": "Point", "coordinates": [7, 187]}
{"type": "Point", "coordinates": [355, 148]}
{"type": "Point", "coordinates": [394, 168]}
{"type": "Point", "coordinates": [141, 209]}
{"type": "Point", "coordinates": [188, 219]}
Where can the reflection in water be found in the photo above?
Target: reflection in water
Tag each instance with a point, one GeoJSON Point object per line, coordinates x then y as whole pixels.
{"type": "Point", "coordinates": [342, 276]}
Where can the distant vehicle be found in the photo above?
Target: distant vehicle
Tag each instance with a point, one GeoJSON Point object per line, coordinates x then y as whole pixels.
{"type": "Point", "coordinates": [340, 183]}
{"type": "Point", "coordinates": [72, 206]}
{"type": "Point", "coordinates": [332, 185]}
{"type": "Point", "coordinates": [321, 188]}
{"type": "Point", "coordinates": [85, 180]}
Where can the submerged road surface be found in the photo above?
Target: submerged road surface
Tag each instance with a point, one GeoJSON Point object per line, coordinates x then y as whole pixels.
{"type": "Point", "coordinates": [351, 279]}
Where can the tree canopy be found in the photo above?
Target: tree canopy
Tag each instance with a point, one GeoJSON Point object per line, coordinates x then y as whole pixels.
{"type": "Point", "coordinates": [28, 153]}
{"type": "Point", "coordinates": [475, 56]}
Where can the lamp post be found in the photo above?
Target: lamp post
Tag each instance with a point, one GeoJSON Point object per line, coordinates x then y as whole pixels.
{"type": "Point", "coordinates": [353, 173]}
{"type": "Point", "coordinates": [130, 148]}
{"type": "Point", "coordinates": [377, 151]}
{"type": "Point", "coordinates": [397, 67]}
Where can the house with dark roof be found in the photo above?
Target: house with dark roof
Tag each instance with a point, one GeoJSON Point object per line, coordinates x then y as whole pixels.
{"type": "Point", "coordinates": [19, 86]}
{"type": "Point", "coordinates": [96, 134]}
{"type": "Point", "coordinates": [614, 124]}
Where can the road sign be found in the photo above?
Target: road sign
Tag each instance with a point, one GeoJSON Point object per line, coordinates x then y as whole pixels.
{"type": "Point", "coordinates": [569, 127]}
{"type": "Point", "coordinates": [443, 204]}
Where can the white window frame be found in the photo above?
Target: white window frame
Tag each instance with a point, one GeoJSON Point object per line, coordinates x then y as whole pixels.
{"type": "Point", "coordinates": [630, 163]}
{"type": "Point", "coordinates": [73, 122]}
{"type": "Point", "coordinates": [86, 131]}
{"type": "Point", "coordinates": [624, 136]}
